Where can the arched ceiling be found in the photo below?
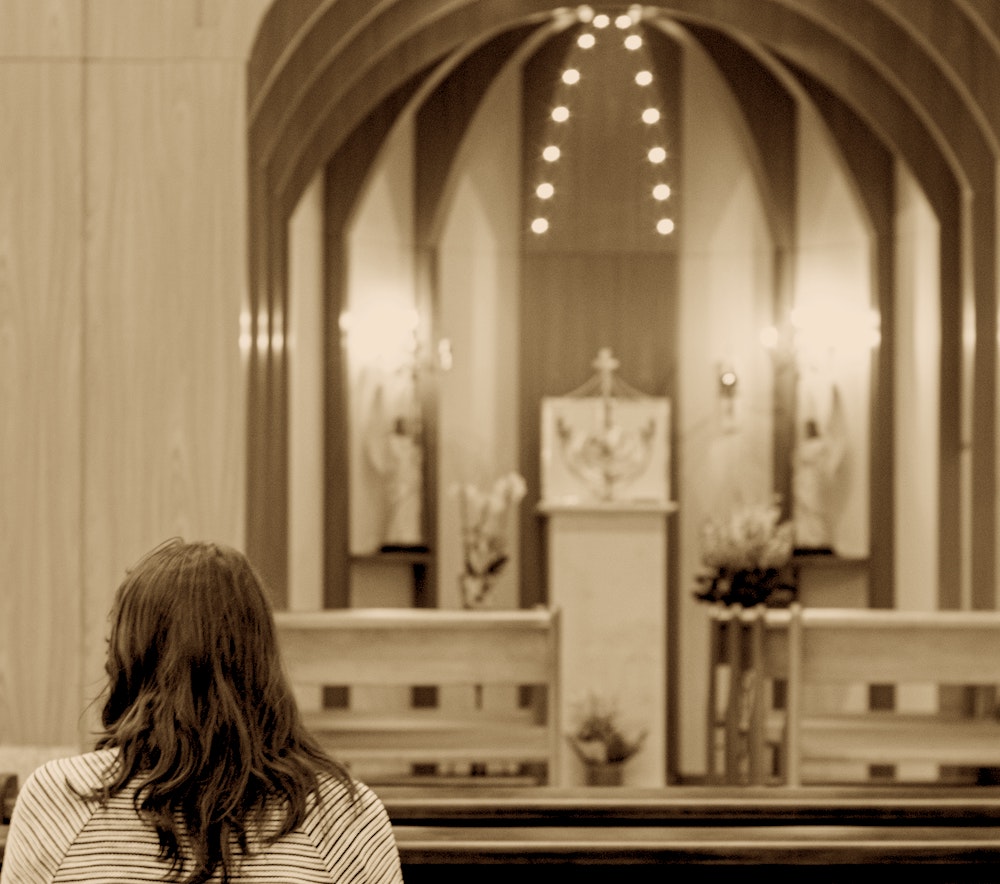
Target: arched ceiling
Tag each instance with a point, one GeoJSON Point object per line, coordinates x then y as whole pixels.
{"type": "Point", "coordinates": [920, 75]}
{"type": "Point", "coordinates": [916, 70]}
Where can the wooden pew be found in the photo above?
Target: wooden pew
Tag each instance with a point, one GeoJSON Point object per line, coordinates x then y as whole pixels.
{"type": "Point", "coordinates": [703, 833]}
{"type": "Point", "coordinates": [431, 647]}
{"type": "Point", "coordinates": [809, 649]}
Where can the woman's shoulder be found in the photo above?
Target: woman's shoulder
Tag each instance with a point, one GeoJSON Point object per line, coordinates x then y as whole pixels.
{"type": "Point", "coordinates": [74, 775]}
{"type": "Point", "coordinates": [337, 794]}
{"type": "Point", "coordinates": [351, 829]}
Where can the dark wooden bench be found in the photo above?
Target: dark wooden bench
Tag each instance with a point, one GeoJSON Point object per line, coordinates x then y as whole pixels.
{"type": "Point", "coordinates": [702, 833]}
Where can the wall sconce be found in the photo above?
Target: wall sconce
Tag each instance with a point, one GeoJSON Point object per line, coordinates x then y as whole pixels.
{"type": "Point", "coordinates": [727, 381]}
{"type": "Point", "coordinates": [728, 387]}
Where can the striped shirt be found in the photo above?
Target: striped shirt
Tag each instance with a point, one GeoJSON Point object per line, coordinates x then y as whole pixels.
{"type": "Point", "coordinates": [55, 836]}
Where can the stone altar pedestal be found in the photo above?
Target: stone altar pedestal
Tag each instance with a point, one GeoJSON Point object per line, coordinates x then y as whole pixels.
{"type": "Point", "coordinates": [607, 574]}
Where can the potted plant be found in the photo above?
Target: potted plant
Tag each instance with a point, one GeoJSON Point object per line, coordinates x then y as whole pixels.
{"type": "Point", "coordinates": [601, 743]}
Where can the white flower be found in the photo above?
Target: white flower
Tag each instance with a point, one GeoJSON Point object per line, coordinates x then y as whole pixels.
{"type": "Point", "coordinates": [749, 538]}
{"type": "Point", "coordinates": [484, 518]}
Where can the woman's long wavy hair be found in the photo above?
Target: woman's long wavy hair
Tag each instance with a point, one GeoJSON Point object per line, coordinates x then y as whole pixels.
{"type": "Point", "coordinates": [199, 707]}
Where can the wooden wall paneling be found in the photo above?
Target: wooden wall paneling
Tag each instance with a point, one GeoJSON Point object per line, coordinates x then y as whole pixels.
{"type": "Point", "coordinates": [182, 29]}
{"type": "Point", "coordinates": [41, 29]}
{"type": "Point", "coordinates": [164, 429]}
{"type": "Point", "coordinates": [41, 318]}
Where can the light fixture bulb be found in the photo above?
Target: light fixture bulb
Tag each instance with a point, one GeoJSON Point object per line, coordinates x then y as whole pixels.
{"type": "Point", "coordinates": [661, 192]}
{"type": "Point", "coordinates": [586, 41]}
{"type": "Point", "coordinates": [665, 226]}
{"type": "Point", "coordinates": [657, 155]}
{"type": "Point", "coordinates": [650, 115]}
{"type": "Point", "coordinates": [644, 78]}
{"type": "Point", "coordinates": [633, 42]}
{"type": "Point", "coordinates": [544, 190]}
{"type": "Point", "coordinates": [560, 114]}
{"type": "Point", "coordinates": [601, 21]}
{"type": "Point", "coordinates": [539, 225]}
{"type": "Point", "coordinates": [571, 76]}
{"type": "Point", "coordinates": [551, 153]}
{"type": "Point", "coordinates": [623, 21]}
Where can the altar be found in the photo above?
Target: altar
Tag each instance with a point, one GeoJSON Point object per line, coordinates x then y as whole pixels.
{"type": "Point", "coordinates": [605, 500]}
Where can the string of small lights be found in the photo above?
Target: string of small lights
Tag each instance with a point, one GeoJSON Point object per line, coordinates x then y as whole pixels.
{"type": "Point", "coordinates": [594, 24]}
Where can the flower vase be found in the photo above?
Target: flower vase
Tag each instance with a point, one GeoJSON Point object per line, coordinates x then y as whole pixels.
{"type": "Point", "coordinates": [475, 590]}
{"type": "Point", "coordinates": [605, 773]}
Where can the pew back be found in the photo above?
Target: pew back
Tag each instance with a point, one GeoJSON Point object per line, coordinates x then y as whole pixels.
{"type": "Point", "coordinates": [800, 652]}
{"type": "Point", "coordinates": [431, 648]}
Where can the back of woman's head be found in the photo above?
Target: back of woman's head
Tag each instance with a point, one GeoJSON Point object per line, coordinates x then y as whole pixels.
{"type": "Point", "coordinates": [200, 709]}
{"type": "Point", "coordinates": [192, 628]}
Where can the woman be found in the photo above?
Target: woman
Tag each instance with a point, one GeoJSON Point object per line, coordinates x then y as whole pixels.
{"type": "Point", "coordinates": [204, 771]}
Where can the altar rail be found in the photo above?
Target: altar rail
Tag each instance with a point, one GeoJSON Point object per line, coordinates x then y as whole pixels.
{"type": "Point", "coordinates": [431, 647]}
{"type": "Point", "coordinates": [802, 650]}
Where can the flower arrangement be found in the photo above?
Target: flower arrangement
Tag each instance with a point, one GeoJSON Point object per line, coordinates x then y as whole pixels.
{"type": "Point", "coordinates": [748, 552]}
{"type": "Point", "coordinates": [598, 738]}
{"type": "Point", "coordinates": [485, 517]}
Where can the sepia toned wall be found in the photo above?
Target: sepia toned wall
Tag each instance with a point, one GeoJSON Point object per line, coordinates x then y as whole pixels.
{"type": "Point", "coordinates": [122, 281]}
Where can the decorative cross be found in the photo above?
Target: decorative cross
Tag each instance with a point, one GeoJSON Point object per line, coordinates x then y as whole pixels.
{"type": "Point", "coordinates": [606, 365]}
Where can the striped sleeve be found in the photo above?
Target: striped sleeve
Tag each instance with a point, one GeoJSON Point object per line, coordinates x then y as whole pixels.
{"type": "Point", "coordinates": [46, 820]}
{"type": "Point", "coordinates": [355, 838]}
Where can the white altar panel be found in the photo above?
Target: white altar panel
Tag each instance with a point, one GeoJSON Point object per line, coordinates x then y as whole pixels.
{"type": "Point", "coordinates": [607, 567]}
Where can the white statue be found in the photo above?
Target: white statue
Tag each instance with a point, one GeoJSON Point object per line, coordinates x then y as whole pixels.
{"type": "Point", "coordinates": [395, 451]}
{"type": "Point", "coordinates": [819, 455]}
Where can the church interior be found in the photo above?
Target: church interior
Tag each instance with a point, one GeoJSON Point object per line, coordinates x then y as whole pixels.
{"type": "Point", "coordinates": [557, 366]}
